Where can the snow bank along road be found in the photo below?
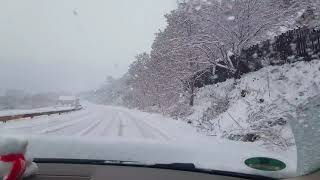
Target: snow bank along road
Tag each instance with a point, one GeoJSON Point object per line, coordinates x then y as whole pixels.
{"type": "Point", "coordinates": [105, 121]}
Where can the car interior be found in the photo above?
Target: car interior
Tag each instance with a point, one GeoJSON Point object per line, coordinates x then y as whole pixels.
{"type": "Point", "coordinates": [53, 171]}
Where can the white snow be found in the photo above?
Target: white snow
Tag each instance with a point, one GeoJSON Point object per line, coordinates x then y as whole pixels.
{"type": "Point", "coordinates": [289, 86]}
{"type": "Point", "coordinates": [67, 98]}
{"type": "Point", "coordinates": [115, 133]}
{"type": "Point", "coordinates": [99, 120]}
{"type": "Point", "coordinates": [231, 18]}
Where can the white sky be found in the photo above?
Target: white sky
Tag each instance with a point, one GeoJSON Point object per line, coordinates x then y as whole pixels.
{"type": "Point", "coordinates": [53, 45]}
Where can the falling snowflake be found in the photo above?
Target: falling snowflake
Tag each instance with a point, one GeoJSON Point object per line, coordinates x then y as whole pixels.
{"type": "Point", "coordinates": [231, 18]}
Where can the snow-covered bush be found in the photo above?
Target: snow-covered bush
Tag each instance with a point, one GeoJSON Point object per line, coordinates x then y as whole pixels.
{"type": "Point", "coordinates": [270, 124]}
{"type": "Point", "coordinates": [179, 110]}
{"type": "Point", "coordinates": [208, 120]}
{"type": "Point", "coordinates": [260, 105]}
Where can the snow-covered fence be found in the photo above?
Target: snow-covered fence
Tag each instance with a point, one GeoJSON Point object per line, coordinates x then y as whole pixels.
{"type": "Point", "coordinates": [31, 115]}
{"type": "Point", "coordinates": [302, 44]}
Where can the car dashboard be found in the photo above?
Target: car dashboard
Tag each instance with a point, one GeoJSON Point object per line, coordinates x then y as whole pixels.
{"type": "Point", "coordinates": [82, 171]}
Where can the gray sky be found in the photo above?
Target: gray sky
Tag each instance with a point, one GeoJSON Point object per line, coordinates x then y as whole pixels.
{"type": "Point", "coordinates": [52, 45]}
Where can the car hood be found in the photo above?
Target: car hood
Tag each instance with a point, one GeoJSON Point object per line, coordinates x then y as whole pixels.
{"type": "Point", "coordinates": [218, 155]}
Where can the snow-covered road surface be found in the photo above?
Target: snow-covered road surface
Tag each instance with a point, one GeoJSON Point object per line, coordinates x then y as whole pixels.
{"type": "Point", "coordinates": [115, 133]}
{"type": "Point", "coordinates": [103, 121]}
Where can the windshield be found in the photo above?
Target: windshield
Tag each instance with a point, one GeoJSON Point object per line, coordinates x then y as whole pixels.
{"type": "Point", "coordinates": [230, 85]}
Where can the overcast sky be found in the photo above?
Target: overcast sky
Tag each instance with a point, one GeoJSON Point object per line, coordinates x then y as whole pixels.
{"type": "Point", "coordinates": [73, 45]}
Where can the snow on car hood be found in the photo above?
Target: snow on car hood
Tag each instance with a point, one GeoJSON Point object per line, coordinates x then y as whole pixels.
{"type": "Point", "coordinates": [204, 154]}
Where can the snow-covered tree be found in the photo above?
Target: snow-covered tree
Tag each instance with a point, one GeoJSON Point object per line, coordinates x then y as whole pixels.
{"type": "Point", "coordinates": [202, 35]}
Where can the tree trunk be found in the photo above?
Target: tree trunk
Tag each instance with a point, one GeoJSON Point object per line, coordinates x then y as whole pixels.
{"type": "Point", "coordinates": [191, 103]}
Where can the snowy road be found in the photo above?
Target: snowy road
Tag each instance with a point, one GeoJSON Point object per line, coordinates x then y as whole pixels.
{"type": "Point", "coordinates": [115, 133]}
{"type": "Point", "coordinates": [105, 121]}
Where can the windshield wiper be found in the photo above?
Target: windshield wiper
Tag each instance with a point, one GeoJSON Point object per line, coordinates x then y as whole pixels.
{"type": "Point", "coordinates": [68, 161]}
{"type": "Point", "coordinates": [172, 166]}
{"type": "Point", "coordinates": [176, 166]}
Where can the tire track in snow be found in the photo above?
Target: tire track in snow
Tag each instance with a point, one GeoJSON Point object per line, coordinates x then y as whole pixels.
{"type": "Point", "coordinates": [72, 128]}
{"type": "Point", "coordinates": [121, 127]}
{"type": "Point", "coordinates": [99, 129]}
{"type": "Point", "coordinates": [112, 127]}
{"type": "Point", "coordinates": [146, 130]}
{"type": "Point", "coordinates": [44, 122]}
{"type": "Point", "coordinates": [156, 130]}
{"type": "Point", "coordinates": [151, 130]}
{"type": "Point", "coordinates": [97, 120]}
{"type": "Point", "coordinates": [91, 128]}
{"type": "Point", "coordinates": [129, 128]}
{"type": "Point", "coordinates": [58, 121]}
{"type": "Point", "coordinates": [107, 131]}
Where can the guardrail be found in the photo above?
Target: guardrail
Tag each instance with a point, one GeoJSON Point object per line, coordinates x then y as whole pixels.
{"type": "Point", "coordinates": [31, 115]}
